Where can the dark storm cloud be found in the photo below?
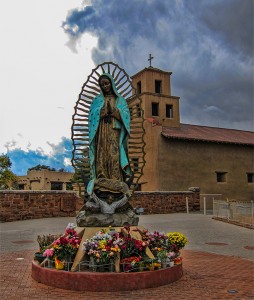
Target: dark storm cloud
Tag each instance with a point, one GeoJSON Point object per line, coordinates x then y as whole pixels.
{"type": "Point", "coordinates": [22, 160]}
{"type": "Point", "coordinates": [232, 22]}
{"type": "Point", "coordinates": [207, 44]}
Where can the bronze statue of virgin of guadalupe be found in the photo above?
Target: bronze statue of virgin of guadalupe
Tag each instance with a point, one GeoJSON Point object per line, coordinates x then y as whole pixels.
{"type": "Point", "coordinates": [106, 163]}
{"type": "Point", "coordinates": [109, 129]}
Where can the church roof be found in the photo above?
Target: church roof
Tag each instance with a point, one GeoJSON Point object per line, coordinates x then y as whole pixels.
{"type": "Point", "coordinates": [151, 69]}
{"type": "Point", "coordinates": [209, 134]}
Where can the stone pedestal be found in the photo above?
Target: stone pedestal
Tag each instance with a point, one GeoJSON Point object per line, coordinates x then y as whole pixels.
{"type": "Point", "coordinates": [86, 219]}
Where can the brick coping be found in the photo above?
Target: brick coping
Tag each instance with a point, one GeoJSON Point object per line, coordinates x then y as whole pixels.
{"type": "Point", "coordinates": [36, 192]}
{"type": "Point", "coordinates": [105, 282]}
{"type": "Point", "coordinates": [163, 192]}
{"type": "Point", "coordinates": [74, 192]}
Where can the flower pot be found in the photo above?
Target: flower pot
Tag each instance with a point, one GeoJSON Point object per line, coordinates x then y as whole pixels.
{"type": "Point", "coordinates": [49, 263]}
{"type": "Point", "coordinates": [112, 267]}
{"type": "Point", "coordinates": [39, 257]}
{"type": "Point", "coordinates": [67, 262]}
{"type": "Point", "coordinates": [92, 265]}
{"type": "Point", "coordinates": [151, 268]}
{"type": "Point", "coordinates": [171, 263]}
{"type": "Point", "coordinates": [164, 264]}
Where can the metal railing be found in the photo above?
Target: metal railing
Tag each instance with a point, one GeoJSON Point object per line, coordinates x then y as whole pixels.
{"type": "Point", "coordinates": [238, 211]}
{"type": "Point", "coordinates": [206, 202]}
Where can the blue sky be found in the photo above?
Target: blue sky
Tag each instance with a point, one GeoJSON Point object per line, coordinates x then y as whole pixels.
{"type": "Point", "coordinates": [52, 46]}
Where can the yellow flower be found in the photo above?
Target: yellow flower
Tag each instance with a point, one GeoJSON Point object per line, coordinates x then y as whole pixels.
{"type": "Point", "coordinates": [102, 244]}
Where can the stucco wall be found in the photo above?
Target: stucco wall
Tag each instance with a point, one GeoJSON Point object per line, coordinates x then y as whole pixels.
{"type": "Point", "coordinates": [41, 180]}
{"type": "Point", "coordinates": [195, 164]}
{"type": "Point", "coordinates": [23, 205]}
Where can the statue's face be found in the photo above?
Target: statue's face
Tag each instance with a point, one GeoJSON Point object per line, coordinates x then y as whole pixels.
{"type": "Point", "coordinates": [110, 199]}
{"type": "Point", "coordinates": [105, 85]}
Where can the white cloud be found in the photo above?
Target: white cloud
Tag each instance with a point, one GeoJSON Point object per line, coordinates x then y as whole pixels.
{"type": "Point", "coordinates": [39, 74]}
{"type": "Point", "coordinates": [67, 162]}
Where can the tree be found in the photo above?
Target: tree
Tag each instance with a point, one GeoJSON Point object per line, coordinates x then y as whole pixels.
{"type": "Point", "coordinates": [41, 167]}
{"type": "Point", "coordinates": [8, 179]}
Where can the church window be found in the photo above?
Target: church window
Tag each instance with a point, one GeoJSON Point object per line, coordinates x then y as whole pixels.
{"type": "Point", "coordinates": [250, 177]}
{"type": "Point", "coordinates": [139, 87]}
{"type": "Point", "coordinates": [155, 109]}
{"type": "Point", "coordinates": [158, 86]}
{"type": "Point", "coordinates": [169, 111]}
{"type": "Point", "coordinates": [221, 176]}
{"type": "Point", "coordinates": [56, 186]}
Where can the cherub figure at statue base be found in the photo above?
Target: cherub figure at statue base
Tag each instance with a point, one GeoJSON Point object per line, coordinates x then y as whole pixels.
{"type": "Point", "coordinates": [108, 205]}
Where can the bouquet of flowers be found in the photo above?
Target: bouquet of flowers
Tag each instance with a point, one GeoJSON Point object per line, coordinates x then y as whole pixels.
{"type": "Point", "coordinates": [129, 245]}
{"type": "Point", "coordinates": [164, 247]}
{"type": "Point", "coordinates": [131, 249]}
{"type": "Point", "coordinates": [171, 255]}
{"type": "Point", "coordinates": [46, 240]}
{"type": "Point", "coordinates": [65, 247]}
{"type": "Point", "coordinates": [130, 263]}
{"type": "Point", "coordinates": [177, 239]}
{"type": "Point", "coordinates": [158, 242]}
{"type": "Point", "coordinates": [102, 247]}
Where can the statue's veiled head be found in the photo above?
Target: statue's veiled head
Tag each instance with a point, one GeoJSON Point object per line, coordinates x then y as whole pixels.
{"type": "Point", "coordinates": [105, 85]}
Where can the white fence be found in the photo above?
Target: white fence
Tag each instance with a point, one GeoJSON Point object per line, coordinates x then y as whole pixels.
{"type": "Point", "coordinates": [241, 212]}
{"type": "Point", "coordinates": [207, 200]}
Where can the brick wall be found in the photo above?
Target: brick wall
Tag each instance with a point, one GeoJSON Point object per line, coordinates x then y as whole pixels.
{"type": "Point", "coordinates": [23, 205]}
{"type": "Point", "coordinates": [165, 202]}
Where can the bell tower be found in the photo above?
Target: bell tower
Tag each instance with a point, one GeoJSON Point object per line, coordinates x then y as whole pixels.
{"type": "Point", "coordinates": [153, 86]}
{"type": "Point", "coordinates": [161, 109]}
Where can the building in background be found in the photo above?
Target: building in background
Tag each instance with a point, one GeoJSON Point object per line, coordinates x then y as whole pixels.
{"type": "Point", "coordinates": [45, 180]}
{"type": "Point", "coordinates": [179, 156]}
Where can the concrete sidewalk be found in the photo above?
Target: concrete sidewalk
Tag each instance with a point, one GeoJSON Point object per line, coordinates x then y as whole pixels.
{"type": "Point", "coordinates": [229, 274]}
{"type": "Point", "coordinates": [200, 229]}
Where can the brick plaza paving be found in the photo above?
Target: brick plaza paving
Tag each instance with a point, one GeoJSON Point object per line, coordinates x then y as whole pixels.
{"type": "Point", "coordinates": [218, 261]}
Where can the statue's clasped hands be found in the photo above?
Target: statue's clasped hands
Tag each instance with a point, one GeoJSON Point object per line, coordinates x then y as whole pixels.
{"type": "Point", "coordinates": [108, 112]}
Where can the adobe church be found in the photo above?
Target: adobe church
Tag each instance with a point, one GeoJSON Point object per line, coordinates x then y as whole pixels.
{"type": "Point", "coordinates": [179, 156]}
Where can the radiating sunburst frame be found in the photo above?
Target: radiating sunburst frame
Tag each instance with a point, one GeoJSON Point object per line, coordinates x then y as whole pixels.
{"type": "Point", "coordinates": [79, 129]}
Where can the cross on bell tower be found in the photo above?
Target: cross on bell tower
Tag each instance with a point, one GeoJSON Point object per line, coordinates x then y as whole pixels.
{"type": "Point", "coordinates": [150, 59]}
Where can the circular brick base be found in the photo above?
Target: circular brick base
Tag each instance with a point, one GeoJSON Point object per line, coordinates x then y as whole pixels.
{"type": "Point", "coordinates": [105, 282]}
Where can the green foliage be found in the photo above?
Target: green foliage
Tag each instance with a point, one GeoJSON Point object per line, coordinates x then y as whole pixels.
{"type": "Point", "coordinates": [44, 167]}
{"type": "Point", "coordinates": [5, 162]}
{"type": "Point", "coordinates": [8, 180]}
{"type": "Point", "coordinates": [41, 167]}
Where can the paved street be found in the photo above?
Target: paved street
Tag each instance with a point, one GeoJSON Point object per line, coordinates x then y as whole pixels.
{"type": "Point", "coordinates": [218, 260]}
